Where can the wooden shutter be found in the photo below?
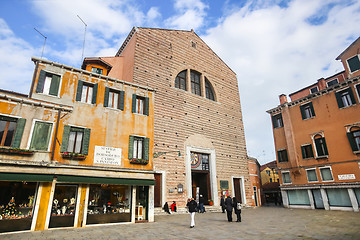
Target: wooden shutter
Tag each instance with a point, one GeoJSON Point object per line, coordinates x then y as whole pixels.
{"type": "Point", "coordinates": [131, 146]}
{"type": "Point", "coordinates": [41, 81]}
{"type": "Point", "coordinates": [303, 152]}
{"type": "Point", "coordinates": [146, 148]}
{"type": "Point", "coordinates": [303, 116]}
{"type": "Point", "coordinates": [133, 109]}
{"type": "Point", "coordinates": [106, 98]}
{"type": "Point", "coordinates": [86, 141]}
{"type": "Point", "coordinates": [79, 90]}
{"type": "Point", "coordinates": [121, 100]}
{"type": "Point", "coordinates": [352, 141]}
{"type": "Point", "coordinates": [312, 109]}
{"type": "Point", "coordinates": [54, 86]}
{"type": "Point", "coordinates": [286, 155]}
{"type": "Point", "coordinates": [65, 139]}
{"type": "Point", "coordinates": [274, 121]}
{"type": "Point", "coordinates": [351, 96]}
{"type": "Point", "coordinates": [146, 110]}
{"type": "Point", "coordinates": [20, 125]}
{"type": "Point", "coordinates": [279, 156]}
{"type": "Point", "coordinates": [358, 89]}
{"type": "Point", "coordinates": [339, 100]}
{"type": "Point", "coordinates": [93, 101]}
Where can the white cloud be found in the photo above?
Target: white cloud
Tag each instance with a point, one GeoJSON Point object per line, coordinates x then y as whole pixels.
{"type": "Point", "coordinates": [277, 50]}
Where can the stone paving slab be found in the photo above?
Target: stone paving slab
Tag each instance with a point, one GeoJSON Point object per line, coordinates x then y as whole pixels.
{"type": "Point", "coordinates": [258, 223]}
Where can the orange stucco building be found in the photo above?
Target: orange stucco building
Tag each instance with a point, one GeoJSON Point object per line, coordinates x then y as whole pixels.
{"type": "Point", "coordinates": [255, 181]}
{"type": "Point", "coordinates": [317, 140]}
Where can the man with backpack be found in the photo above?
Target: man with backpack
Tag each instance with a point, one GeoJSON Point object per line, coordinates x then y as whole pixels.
{"type": "Point", "coordinates": [237, 209]}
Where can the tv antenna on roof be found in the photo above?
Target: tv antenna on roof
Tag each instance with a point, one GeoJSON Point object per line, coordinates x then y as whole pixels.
{"type": "Point", "coordinates": [44, 41]}
{"type": "Point", "coordinates": [82, 55]}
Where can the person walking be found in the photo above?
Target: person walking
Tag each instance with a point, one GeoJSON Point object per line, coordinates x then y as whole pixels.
{"type": "Point", "coordinates": [222, 203]}
{"type": "Point", "coordinates": [201, 204]}
{"type": "Point", "coordinates": [192, 205]}
{"type": "Point", "coordinates": [229, 207]}
{"type": "Point", "coordinates": [237, 209]}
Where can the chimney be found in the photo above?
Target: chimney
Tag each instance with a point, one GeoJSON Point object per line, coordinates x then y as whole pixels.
{"type": "Point", "coordinates": [321, 84]}
{"type": "Point", "coordinates": [283, 99]}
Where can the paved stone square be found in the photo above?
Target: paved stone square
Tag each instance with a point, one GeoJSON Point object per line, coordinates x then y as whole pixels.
{"type": "Point", "coordinates": [258, 223]}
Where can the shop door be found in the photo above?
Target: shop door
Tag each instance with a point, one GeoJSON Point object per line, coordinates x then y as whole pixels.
{"type": "Point", "coordinates": [318, 201]}
{"type": "Point", "coordinates": [142, 203]}
{"type": "Point", "coordinates": [237, 189]}
{"type": "Point", "coordinates": [157, 190]}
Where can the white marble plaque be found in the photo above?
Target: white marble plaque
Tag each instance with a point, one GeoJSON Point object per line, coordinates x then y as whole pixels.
{"type": "Point", "coordinates": [107, 155]}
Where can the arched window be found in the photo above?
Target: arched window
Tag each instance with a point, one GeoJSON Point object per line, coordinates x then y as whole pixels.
{"type": "Point", "coordinates": [354, 138]}
{"type": "Point", "coordinates": [180, 80]}
{"type": "Point", "coordinates": [320, 146]}
{"type": "Point", "coordinates": [209, 92]}
{"type": "Point", "coordinates": [195, 82]}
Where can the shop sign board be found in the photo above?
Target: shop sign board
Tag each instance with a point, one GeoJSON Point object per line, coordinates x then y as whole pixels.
{"type": "Point", "coordinates": [346, 176]}
{"type": "Point", "coordinates": [107, 155]}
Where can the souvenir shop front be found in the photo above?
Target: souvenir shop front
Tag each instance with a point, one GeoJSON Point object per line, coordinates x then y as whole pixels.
{"type": "Point", "coordinates": [69, 201]}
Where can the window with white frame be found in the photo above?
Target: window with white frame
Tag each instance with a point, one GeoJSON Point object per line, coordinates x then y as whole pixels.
{"type": "Point", "coordinates": [345, 98]}
{"type": "Point", "coordinates": [41, 135]}
{"type": "Point", "coordinates": [48, 83]}
{"type": "Point", "coordinates": [354, 138]}
{"type": "Point", "coordinates": [86, 92]}
{"type": "Point", "coordinates": [354, 63]}
{"type": "Point", "coordinates": [314, 89]}
{"type": "Point", "coordinates": [11, 131]}
{"type": "Point", "coordinates": [277, 121]}
{"type": "Point", "coordinates": [307, 111]}
{"type": "Point", "coordinates": [320, 146]}
{"type": "Point", "coordinates": [311, 175]}
{"type": "Point", "coordinates": [326, 174]}
{"type": "Point", "coordinates": [96, 70]}
{"type": "Point", "coordinates": [286, 177]}
{"type": "Point", "coordinates": [307, 151]}
{"type": "Point", "coordinates": [140, 105]}
{"type": "Point", "coordinates": [114, 98]}
{"type": "Point", "coordinates": [75, 140]}
{"type": "Point", "coordinates": [282, 155]}
{"type": "Point", "coordinates": [332, 82]}
{"type": "Point", "coordinates": [138, 148]}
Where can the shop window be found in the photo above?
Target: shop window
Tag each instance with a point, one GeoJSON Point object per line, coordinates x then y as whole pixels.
{"type": "Point", "coordinates": [307, 111]}
{"type": "Point", "coordinates": [357, 194]}
{"type": "Point", "coordinates": [314, 90]}
{"type": "Point", "coordinates": [354, 138]}
{"type": "Point", "coordinates": [209, 92]}
{"type": "Point", "coordinates": [11, 131]}
{"type": "Point", "coordinates": [114, 98]}
{"type": "Point", "coordinates": [41, 134]}
{"type": "Point", "coordinates": [108, 204]}
{"type": "Point", "coordinates": [354, 63]}
{"type": "Point", "coordinates": [75, 140]}
{"type": "Point", "coordinates": [48, 83]}
{"type": "Point", "coordinates": [138, 149]}
{"type": "Point", "coordinates": [298, 197]}
{"type": "Point", "coordinates": [96, 70]}
{"type": "Point", "coordinates": [326, 174]}
{"type": "Point", "coordinates": [180, 80]}
{"type": "Point", "coordinates": [286, 177]}
{"type": "Point", "coordinates": [282, 155]}
{"type": "Point", "coordinates": [345, 98]}
{"type": "Point", "coordinates": [338, 197]}
{"type": "Point", "coordinates": [311, 175]}
{"type": "Point", "coordinates": [307, 151]}
{"type": "Point", "coordinates": [17, 201]}
{"type": "Point", "coordinates": [63, 206]}
{"type": "Point", "coordinates": [332, 82]}
{"type": "Point", "coordinates": [86, 92]}
{"type": "Point", "coordinates": [140, 105]}
{"type": "Point", "coordinates": [320, 146]}
{"type": "Point", "coordinates": [277, 121]}
{"type": "Point", "coordinates": [195, 82]}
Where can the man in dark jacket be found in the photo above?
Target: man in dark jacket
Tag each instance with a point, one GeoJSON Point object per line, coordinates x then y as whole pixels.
{"type": "Point", "coordinates": [222, 203]}
{"type": "Point", "coordinates": [229, 208]}
{"type": "Point", "coordinates": [192, 205]}
{"type": "Point", "coordinates": [237, 209]}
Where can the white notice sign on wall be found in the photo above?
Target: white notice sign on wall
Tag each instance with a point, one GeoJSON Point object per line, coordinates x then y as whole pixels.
{"type": "Point", "coordinates": [346, 176]}
{"type": "Point", "coordinates": [107, 155]}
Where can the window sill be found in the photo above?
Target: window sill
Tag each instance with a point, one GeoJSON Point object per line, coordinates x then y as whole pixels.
{"type": "Point", "coordinates": [139, 161]}
{"type": "Point", "coordinates": [322, 157]}
{"type": "Point", "coordinates": [356, 152]}
{"type": "Point", "coordinates": [73, 156]}
{"type": "Point", "coordinates": [348, 106]}
{"type": "Point", "coordinates": [16, 151]}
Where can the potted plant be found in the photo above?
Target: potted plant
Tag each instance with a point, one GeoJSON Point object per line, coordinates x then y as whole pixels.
{"type": "Point", "coordinates": [139, 161]}
{"type": "Point", "coordinates": [10, 150]}
{"type": "Point", "coordinates": [211, 202]}
{"type": "Point", "coordinates": [73, 156]}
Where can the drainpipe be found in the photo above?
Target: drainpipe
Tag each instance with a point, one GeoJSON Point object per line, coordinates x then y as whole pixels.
{"type": "Point", "coordinates": [33, 79]}
{"type": "Point", "coordinates": [55, 137]}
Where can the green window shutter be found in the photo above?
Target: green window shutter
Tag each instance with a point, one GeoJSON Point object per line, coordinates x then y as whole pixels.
{"type": "Point", "coordinates": [20, 125]}
{"type": "Point", "coordinates": [351, 94]}
{"type": "Point", "coordinates": [41, 136]}
{"type": "Point", "coordinates": [352, 141]}
{"type": "Point", "coordinates": [146, 106]}
{"type": "Point", "coordinates": [312, 109]}
{"type": "Point", "coordinates": [86, 141]}
{"type": "Point", "coordinates": [325, 147]}
{"type": "Point", "coordinates": [286, 156]}
{"type": "Point", "coordinates": [339, 100]}
{"type": "Point", "coordinates": [274, 121]}
{"type": "Point", "coordinates": [279, 156]}
{"type": "Point", "coordinates": [133, 109]}
{"type": "Point", "coordinates": [93, 101]}
{"type": "Point", "coordinates": [79, 90]}
{"type": "Point", "coordinates": [146, 148]}
{"type": "Point", "coordinates": [41, 81]}
{"type": "Point", "coordinates": [358, 89]}
{"type": "Point", "coordinates": [131, 146]}
{"type": "Point", "coordinates": [311, 151]}
{"type": "Point", "coordinates": [121, 100]}
{"type": "Point", "coordinates": [303, 116]}
{"type": "Point", "coordinates": [106, 98]}
{"type": "Point", "coordinates": [54, 86]}
{"type": "Point", "coordinates": [65, 139]}
{"type": "Point", "coordinates": [303, 152]}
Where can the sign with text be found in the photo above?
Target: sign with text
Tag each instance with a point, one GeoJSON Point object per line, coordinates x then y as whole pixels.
{"type": "Point", "coordinates": [107, 155]}
{"type": "Point", "coordinates": [346, 176]}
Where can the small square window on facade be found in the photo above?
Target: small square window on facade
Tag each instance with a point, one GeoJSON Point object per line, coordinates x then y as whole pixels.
{"type": "Point", "coordinates": [41, 135]}
{"type": "Point", "coordinates": [332, 82]}
{"type": "Point", "coordinates": [48, 83]}
{"type": "Point", "coordinates": [307, 111]}
{"type": "Point", "coordinates": [277, 121]}
{"type": "Point", "coordinates": [320, 146]}
{"type": "Point", "coordinates": [86, 92]}
{"type": "Point", "coordinates": [96, 70]}
{"type": "Point", "coordinates": [307, 151]}
{"type": "Point", "coordinates": [345, 98]}
{"type": "Point", "coordinates": [314, 90]}
{"type": "Point", "coordinates": [114, 98]}
{"type": "Point", "coordinates": [354, 63]}
{"type": "Point", "coordinates": [326, 174]}
{"type": "Point", "coordinates": [311, 175]}
{"type": "Point", "coordinates": [75, 140]}
{"type": "Point", "coordinates": [140, 105]}
{"type": "Point", "coordinates": [282, 155]}
{"type": "Point", "coordinates": [286, 177]}
{"type": "Point", "coordinates": [354, 138]}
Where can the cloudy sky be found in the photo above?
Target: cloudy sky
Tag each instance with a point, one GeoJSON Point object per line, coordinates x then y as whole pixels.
{"type": "Point", "coordinates": [274, 46]}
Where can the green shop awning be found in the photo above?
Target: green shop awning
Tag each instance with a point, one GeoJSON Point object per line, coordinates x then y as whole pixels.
{"type": "Point", "coordinates": [103, 180]}
{"type": "Point", "coordinates": [28, 177]}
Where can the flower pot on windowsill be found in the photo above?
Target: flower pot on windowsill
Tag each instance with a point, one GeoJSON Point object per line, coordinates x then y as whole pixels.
{"type": "Point", "coordinates": [73, 156]}
{"type": "Point", "coordinates": [139, 161]}
{"type": "Point", "coordinates": [16, 151]}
